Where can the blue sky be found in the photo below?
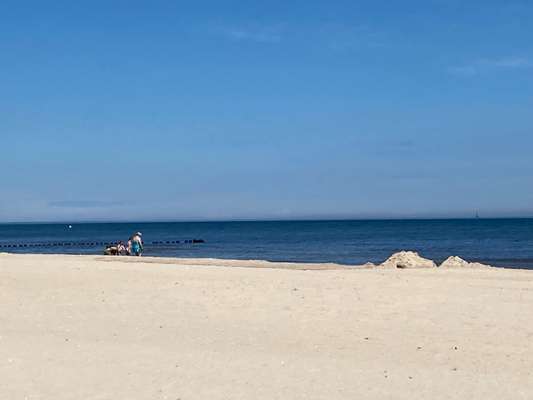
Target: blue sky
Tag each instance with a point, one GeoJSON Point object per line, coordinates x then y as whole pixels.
{"type": "Point", "coordinates": [150, 110]}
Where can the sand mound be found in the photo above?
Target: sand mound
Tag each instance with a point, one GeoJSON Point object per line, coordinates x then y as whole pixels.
{"type": "Point", "coordinates": [407, 259]}
{"type": "Point", "coordinates": [458, 262]}
{"type": "Point", "coordinates": [455, 262]}
{"type": "Point", "coordinates": [367, 265]}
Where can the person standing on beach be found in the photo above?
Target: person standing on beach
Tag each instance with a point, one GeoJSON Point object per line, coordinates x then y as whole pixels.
{"type": "Point", "coordinates": [136, 246]}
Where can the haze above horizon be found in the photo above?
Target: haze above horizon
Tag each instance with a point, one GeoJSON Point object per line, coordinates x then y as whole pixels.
{"type": "Point", "coordinates": [250, 110]}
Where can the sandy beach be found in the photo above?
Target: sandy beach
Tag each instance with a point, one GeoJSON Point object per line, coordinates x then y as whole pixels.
{"type": "Point", "coordinates": [86, 327]}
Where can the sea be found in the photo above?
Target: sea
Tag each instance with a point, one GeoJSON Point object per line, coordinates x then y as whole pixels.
{"type": "Point", "coordinates": [499, 242]}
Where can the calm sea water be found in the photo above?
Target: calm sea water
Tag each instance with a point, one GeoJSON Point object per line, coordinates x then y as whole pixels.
{"type": "Point", "coordinates": [502, 242]}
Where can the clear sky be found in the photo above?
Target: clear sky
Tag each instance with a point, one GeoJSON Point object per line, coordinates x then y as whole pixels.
{"type": "Point", "coordinates": [150, 110]}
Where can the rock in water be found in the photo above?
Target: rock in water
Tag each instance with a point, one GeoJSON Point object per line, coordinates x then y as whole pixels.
{"type": "Point", "coordinates": [408, 259]}
{"type": "Point", "coordinates": [458, 262]}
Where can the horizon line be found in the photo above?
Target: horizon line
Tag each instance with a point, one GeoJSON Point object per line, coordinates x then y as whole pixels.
{"type": "Point", "coordinates": [303, 219]}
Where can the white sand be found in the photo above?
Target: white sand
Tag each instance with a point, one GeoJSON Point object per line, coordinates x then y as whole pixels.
{"type": "Point", "coordinates": [77, 327]}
